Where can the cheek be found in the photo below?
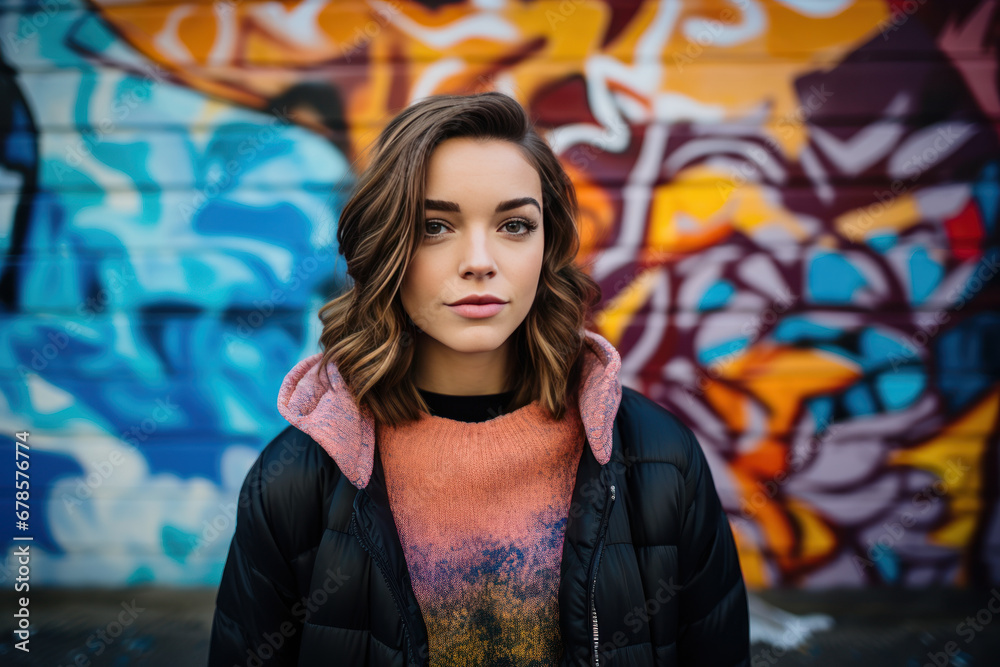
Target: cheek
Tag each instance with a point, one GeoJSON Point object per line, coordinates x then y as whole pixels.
{"type": "Point", "coordinates": [533, 258]}
{"type": "Point", "coordinates": [419, 281]}
{"type": "Point", "coordinates": [528, 268]}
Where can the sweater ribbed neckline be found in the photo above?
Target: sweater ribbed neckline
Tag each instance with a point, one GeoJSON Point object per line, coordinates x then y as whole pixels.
{"type": "Point", "coordinates": [509, 426]}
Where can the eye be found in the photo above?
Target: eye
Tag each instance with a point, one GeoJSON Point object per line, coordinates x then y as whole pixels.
{"type": "Point", "coordinates": [433, 223]}
{"type": "Point", "coordinates": [528, 226]}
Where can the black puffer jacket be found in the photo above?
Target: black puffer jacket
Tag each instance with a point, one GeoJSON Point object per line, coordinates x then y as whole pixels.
{"type": "Point", "coordinates": [316, 574]}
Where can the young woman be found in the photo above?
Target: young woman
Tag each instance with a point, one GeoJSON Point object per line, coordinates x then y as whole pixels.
{"type": "Point", "coordinates": [465, 480]}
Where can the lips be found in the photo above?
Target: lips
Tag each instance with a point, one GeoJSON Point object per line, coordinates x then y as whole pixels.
{"type": "Point", "coordinates": [475, 311]}
{"type": "Point", "coordinates": [478, 299]}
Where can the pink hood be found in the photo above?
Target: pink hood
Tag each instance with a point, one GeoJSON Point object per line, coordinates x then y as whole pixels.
{"type": "Point", "coordinates": [332, 418]}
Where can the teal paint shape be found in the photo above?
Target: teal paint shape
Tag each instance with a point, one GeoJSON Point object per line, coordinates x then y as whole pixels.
{"type": "Point", "coordinates": [986, 192]}
{"type": "Point", "coordinates": [887, 563]}
{"type": "Point", "coordinates": [925, 275]}
{"type": "Point", "coordinates": [716, 296]}
{"type": "Point", "coordinates": [859, 400]}
{"type": "Point", "coordinates": [883, 242]}
{"type": "Point", "coordinates": [141, 575]}
{"type": "Point", "coordinates": [734, 346]}
{"type": "Point", "coordinates": [797, 328]}
{"type": "Point", "coordinates": [177, 543]}
{"type": "Point", "coordinates": [833, 279]}
{"type": "Point", "coordinates": [898, 390]}
{"type": "Point", "coordinates": [822, 412]}
{"type": "Point", "coordinates": [879, 350]}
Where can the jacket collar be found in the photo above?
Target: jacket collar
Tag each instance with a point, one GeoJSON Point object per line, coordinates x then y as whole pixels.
{"type": "Point", "coordinates": [329, 414]}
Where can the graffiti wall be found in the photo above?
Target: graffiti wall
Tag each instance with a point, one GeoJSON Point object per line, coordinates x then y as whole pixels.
{"type": "Point", "coordinates": [791, 207]}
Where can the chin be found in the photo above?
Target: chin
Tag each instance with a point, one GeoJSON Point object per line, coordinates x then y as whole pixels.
{"type": "Point", "coordinates": [484, 340]}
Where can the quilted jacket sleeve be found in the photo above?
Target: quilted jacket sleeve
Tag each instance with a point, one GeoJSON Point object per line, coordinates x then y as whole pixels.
{"type": "Point", "coordinates": [714, 624]}
{"type": "Point", "coordinates": [254, 621]}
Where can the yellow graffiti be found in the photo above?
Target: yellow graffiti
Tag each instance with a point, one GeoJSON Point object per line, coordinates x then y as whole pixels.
{"type": "Point", "coordinates": [614, 318]}
{"type": "Point", "coordinates": [955, 457]}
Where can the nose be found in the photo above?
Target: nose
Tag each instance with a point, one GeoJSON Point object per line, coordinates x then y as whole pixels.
{"type": "Point", "coordinates": [477, 255]}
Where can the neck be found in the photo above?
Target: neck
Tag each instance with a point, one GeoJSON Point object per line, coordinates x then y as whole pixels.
{"type": "Point", "coordinates": [442, 370]}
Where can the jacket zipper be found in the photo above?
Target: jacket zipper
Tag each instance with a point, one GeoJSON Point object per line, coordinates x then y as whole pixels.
{"type": "Point", "coordinates": [597, 562]}
{"type": "Point", "coordinates": [391, 583]}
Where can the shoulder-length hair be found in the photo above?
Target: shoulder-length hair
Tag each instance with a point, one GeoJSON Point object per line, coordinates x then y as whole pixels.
{"type": "Point", "coordinates": [366, 331]}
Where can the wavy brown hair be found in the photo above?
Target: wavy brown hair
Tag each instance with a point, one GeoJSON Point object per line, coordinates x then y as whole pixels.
{"type": "Point", "coordinates": [366, 331]}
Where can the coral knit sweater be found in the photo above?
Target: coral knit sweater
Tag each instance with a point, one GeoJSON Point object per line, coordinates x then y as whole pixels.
{"type": "Point", "coordinates": [480, 508]}
{"type": "Point", "coordinates": [481, 511]}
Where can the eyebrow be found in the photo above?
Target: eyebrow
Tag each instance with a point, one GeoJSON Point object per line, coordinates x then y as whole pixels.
{"type": "Point", "coordinates": [439, 205]}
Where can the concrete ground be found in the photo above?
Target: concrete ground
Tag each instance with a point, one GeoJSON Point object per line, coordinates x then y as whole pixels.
{"type": "Point", "coordinates": [159, 627]}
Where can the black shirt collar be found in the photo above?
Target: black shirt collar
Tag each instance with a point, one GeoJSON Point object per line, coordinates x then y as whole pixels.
{"type": "Point", "coordinates": [468, 408]}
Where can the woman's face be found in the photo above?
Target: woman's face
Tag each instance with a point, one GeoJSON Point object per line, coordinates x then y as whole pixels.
{"type": "Point", "coordinates": [483, 236]}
